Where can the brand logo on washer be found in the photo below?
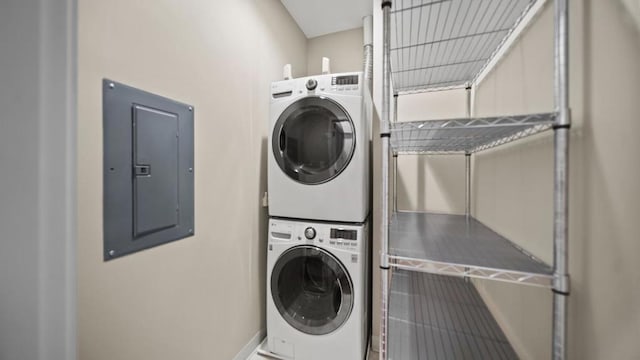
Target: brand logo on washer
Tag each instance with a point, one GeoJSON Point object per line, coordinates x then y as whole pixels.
{"type": "Point", "coordinates": [354, 258]}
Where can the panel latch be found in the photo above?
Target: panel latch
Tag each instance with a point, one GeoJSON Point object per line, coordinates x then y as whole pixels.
{"type": "Point", "coordinates": [142, 170]}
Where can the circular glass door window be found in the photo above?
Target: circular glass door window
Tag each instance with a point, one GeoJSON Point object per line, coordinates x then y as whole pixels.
{"type": "Point", "coordinates": [312, 290]}
{"type": "Point", "coordinates": [313, 140]}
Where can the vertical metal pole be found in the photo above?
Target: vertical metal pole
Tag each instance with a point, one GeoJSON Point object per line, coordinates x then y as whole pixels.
{"type": "Point", "coordinates": [395, 157]}
{"type": "Point", "coordinates": [467, 173]}
{"type": "Point", "coordinates": [467, 162]}
{"type": "Point", "coordinates": [467, 193]}
{"type": "Point", "coordinates": [395, 107]}
{"type": "Point", "coordinates": [468, 89]}
{"type": "Point", "coordinates": [385, 134]}
{"type": "Point", "coordinates": [367, 26]}
{"type": "Point", "coordinates": [395, 182]}
{"type": "Point", "coordinates": [561, 285]}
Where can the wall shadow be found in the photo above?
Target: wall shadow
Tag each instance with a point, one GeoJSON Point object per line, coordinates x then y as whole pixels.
{"type": "Point", "coordinates": [439, 183]}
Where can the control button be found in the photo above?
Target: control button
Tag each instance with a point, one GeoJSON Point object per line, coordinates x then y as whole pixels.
{"type": "Point", "coordinates": [339, 243]}
{"type": "Point", "coordinates": [310, 233]}
{"type": "Point", "coordinates": [311, 84]}
{"type": "Point", "coordinates": [332, 242]}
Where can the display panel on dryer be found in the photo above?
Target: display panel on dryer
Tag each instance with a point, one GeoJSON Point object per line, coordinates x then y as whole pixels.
{"type": "Point", "coordinates": [345, 80]}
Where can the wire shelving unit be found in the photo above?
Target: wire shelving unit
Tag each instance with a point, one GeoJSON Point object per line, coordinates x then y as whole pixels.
{"type": "Point", "coordinates": [429, 308]}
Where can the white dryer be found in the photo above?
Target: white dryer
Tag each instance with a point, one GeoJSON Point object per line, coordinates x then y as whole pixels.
{"type": "Point", "coordinates": [317, 290]}
{"type": "Point", "coordinates": [318, 162]}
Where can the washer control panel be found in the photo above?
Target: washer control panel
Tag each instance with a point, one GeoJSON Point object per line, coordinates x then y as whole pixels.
{"type": "Point", "coordinates": [344, 234]}
{"type": "Point", "coordinates": [343, 237]}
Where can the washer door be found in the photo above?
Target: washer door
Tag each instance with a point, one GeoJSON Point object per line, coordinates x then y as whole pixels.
{"type": "Point", "coordinates": [313, 140]}
{"type": "Point", "coordinates": [312, 290]}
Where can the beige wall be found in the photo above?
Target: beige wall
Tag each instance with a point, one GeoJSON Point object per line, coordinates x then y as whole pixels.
{"type": "Point", "coordinates": [633, 7]}
{"type": "Point", "coordinates": [343, 48]}
{"type": "Point", "coordinates": [433, 105]}
{"type": "Point", "coordinates": [431, 183]}
{"type": "Point", "coordinates": [513, 185]}
{"type": "Point", "coordinates": [201, 297]}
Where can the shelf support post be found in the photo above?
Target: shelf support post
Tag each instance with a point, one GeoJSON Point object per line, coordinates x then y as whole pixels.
{"type": "Point", "coordinates": [467, 173]}
{"type": "Point", "coordinates": [385, 135]}
{"type": "Point", "coordinates": [561, 286]}
{"type": "Point", "coordinates": [467, 192]}
{"type": "Point", "coordinates": [395, 107]}
{"type": "Point", "coordinates": [467, 162]}
{"type": "Point", "coordinates": [468, 90]}
{"type": "Point", "coordinates": [395, 182]}
{"type": "Point", "coordinates": [395, 157]}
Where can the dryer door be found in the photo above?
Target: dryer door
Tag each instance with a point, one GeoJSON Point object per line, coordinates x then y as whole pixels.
{"type": "Point", "coordinates": [313, 140]}
{"type": "Point", "coordinates": [312, 290]}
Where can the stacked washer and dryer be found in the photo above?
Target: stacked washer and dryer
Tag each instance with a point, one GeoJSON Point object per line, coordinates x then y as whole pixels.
{"type": "Point", "coordinates": [318, 247]}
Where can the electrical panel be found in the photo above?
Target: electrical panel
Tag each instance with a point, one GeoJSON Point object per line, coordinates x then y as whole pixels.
{"type": "Point", "coordinates": [148, 169]}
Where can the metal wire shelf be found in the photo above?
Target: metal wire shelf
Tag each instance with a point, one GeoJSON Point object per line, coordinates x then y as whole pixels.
{"type": "Point", "coordinates": [441, 317]}
{"type": "Point", "coordinates": [447, 43]}
{"type": "Point", "coordinates": [460, 245]}
{"type": "Point", "coordinates": [467, 135]}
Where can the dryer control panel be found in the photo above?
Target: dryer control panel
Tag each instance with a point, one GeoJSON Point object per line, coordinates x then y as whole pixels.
{"type": "Point", "coordinates": [346, 237]}
{"type": "Point", "coordinates": [343, 83]}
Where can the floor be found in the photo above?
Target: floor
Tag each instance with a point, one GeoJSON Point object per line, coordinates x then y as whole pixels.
{"type": "Point", "coordinates": [255, 356]}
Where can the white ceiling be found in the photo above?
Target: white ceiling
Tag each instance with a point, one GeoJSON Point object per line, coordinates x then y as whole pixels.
{"type": "Point", "coordinates": [321, 17]}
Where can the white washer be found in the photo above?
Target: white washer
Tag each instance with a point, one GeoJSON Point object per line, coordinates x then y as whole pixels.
{"type": "Point", "coordinates": [317, 290]}
{"type": "Point", "coordinates": [319, 149]}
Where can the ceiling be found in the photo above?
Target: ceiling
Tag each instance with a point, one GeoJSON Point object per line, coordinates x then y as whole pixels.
{"type": "Point", "coordinates": [321, 17]}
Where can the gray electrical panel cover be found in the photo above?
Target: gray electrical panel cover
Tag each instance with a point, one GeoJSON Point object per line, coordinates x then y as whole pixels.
{"type": "Point", "coordinates": [148, 169]}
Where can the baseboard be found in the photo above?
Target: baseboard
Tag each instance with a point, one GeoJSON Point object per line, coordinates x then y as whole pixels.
{"type": "Point", "coordinates": [251, 346]}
